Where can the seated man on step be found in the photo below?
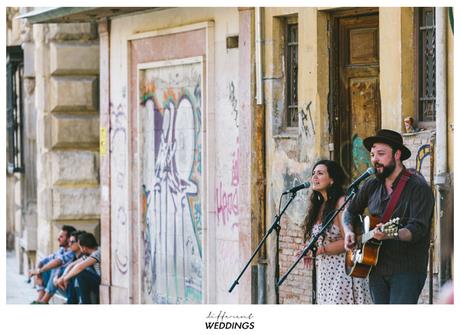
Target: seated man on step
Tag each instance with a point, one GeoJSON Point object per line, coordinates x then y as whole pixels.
{"type": "Point", "coordinates": [45, 271]}
{"type": "Point", "coordinates": [86, 271]}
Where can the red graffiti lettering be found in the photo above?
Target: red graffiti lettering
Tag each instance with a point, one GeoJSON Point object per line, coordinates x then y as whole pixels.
{"type": "Point", "coordinates": [227, 203]}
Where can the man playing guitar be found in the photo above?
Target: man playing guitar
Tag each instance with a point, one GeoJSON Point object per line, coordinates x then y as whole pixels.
{"type": "Point", "coordinates": [400, 273]}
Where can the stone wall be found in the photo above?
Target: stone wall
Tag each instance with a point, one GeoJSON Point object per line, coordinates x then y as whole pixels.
{"type": "Point", "coordinates": [67, 68]}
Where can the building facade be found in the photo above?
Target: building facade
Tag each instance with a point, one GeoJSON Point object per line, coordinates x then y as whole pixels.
{"type": "Point", "coordinates": [54, 127]}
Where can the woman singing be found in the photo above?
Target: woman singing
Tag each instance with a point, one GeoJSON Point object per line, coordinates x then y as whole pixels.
{"type": "Point", "coordinates": [333, 285]}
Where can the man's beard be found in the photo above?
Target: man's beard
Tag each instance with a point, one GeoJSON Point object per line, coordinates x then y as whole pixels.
{"type": "Point", "coordinates": [387, 170]}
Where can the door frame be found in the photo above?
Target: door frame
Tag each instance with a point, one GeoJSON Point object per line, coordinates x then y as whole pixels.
{"type": "Point", "coordinates": [135, 290]}
{"type": "Point", "coordinates": [335, 116]}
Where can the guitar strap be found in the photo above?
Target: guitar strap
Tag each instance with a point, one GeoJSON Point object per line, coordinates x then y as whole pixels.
{"type": "Point", "coordinates": [395, 195]}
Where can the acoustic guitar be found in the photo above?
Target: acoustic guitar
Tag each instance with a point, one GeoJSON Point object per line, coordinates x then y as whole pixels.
{"type": "Point", "coordinates": [360, 260]}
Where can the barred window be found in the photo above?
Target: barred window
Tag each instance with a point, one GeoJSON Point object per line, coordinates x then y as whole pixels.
{"type": "Point", "coordinates": [291, 74]}
{"type": "Point", "coordinates": [427, 64]}
{"type": "Point", "coordinates": [14, 118]}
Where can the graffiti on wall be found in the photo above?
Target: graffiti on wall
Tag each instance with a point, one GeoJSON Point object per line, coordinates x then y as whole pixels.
{"type": "Point", "coordinates": [233, 102]}
{"type": "Point", "coordinates": [423, 152]}
{"type": "Point", "coordinates": [421, 146]}
{"type": "Point", "coordinates": [297, 209]}
{"type": "Point", "coordinates": [171, 177]}
{"type": "Point", "coordinates": [119, 161]}
{"type": "Point", "coordinates": [306, 121]}
{"type": "Point", "coordinates": [360, 156]}
{"type": "Point", "coordinates": [227, 197]}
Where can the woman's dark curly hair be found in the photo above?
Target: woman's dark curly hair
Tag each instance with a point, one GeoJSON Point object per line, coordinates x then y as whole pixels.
{"type": "Point", "coordinates": [334, 192]}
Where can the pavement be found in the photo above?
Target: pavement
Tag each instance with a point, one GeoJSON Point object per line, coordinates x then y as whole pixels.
{"type": "Point", "coordinates": [18, 291]}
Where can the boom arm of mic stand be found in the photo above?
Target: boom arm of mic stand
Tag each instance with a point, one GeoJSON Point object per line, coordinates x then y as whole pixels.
{"type": "Point", "coordinates": [273, 226]}
{"type": "Point", "coordinates": [313, 240]}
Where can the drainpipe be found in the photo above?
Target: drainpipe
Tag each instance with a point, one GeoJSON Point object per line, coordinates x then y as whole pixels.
{"type": "Point", "coordinates": [259, 88]}
{"type": "Point", "coordinates": [441, 89]}
{"type": "Point", "coordinates": [260, 154]}
{"type": "Point", "coordinates": [441, 179]}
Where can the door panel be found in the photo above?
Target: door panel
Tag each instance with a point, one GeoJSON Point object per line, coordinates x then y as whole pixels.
{"type": "Point", "coordinates": [358, 102]}
{"type": "Point", "coordinates": [167, 90]}
{"type": "Point", "coordinates": [363, 46]}
{"type": "Point", "coordinates": [363, 101]}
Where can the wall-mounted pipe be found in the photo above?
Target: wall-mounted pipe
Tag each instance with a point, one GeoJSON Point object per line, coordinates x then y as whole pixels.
{"type": "Point", "coordinates": [260, 156]}
{"type": "Point", "coordinates": [259, 88]}
{"type": "Point", "coordinates": [442, 176]}
{"type": "Point", "coordinates": [441, 101]}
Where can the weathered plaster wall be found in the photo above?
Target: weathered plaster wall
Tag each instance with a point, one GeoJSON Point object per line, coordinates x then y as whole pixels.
{"type": "Point", "coordinates": [391, 76]}
{"type": "Point", "coordinates": [408, 77]}
{"type": "Point", "coordinates": [450, 98]}
{"type": "Point", "coordinates": [291, 152]}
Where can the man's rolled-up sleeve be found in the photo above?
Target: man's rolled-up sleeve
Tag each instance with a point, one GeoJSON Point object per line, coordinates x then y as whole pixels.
{"type": "Point", "coordinates": [420, 212]}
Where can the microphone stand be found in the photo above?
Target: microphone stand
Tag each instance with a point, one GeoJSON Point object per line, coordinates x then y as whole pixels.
{"type": "Point", "coordinates": [275, 226]}
{"type": "Point", "coordinates": [313, 276]}
{"type": "Point", "coordinates": [312, 243]}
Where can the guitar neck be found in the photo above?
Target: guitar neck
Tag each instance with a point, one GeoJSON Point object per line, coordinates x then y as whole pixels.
{"type": "Point", "coordinates": [390, 228]}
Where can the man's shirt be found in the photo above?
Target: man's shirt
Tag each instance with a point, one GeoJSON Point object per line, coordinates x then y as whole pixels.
{"type": "Point", "coordinates": [67, 258]}
{"type": "Point", "coordinates": [415, 210]}
{"type": "Point", "coordinates": [97, 256]}
{"type": "Point", "coordinates": [61, 251]}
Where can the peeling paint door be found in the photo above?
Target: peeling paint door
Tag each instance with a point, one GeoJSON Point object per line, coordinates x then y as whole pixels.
{"type": "Point", "coordinates": [168, 94]}
{"type": "Point", "coordinates": [358, 99]}
{"type": "Point", "coordinates": [171, 179]}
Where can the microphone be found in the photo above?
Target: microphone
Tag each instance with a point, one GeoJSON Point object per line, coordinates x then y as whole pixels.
{"type": "Point", "coordinates": [297, 188]}
{"type": "Point", "coordinates": [365, 175]}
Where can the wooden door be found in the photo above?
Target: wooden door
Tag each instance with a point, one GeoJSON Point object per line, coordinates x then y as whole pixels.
{"type": "Point", "coordinates": [358, 98]}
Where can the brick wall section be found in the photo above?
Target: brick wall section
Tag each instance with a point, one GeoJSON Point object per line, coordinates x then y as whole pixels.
{"type": "Point", "coordinates": [296, 289]}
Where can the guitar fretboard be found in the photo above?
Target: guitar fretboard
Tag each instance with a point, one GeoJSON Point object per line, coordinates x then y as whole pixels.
{"type": "Point", "coordinates": [367, 236]}
{"type": "Point", "coordinates": [389, 228]}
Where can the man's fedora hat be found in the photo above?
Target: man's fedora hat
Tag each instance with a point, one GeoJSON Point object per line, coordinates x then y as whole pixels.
{"type": "Point", "coordinates": [390, 137]}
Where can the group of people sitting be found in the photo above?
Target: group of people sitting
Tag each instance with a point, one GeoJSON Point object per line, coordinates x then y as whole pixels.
{"type": "Point", "coordinates": [73, 270]}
